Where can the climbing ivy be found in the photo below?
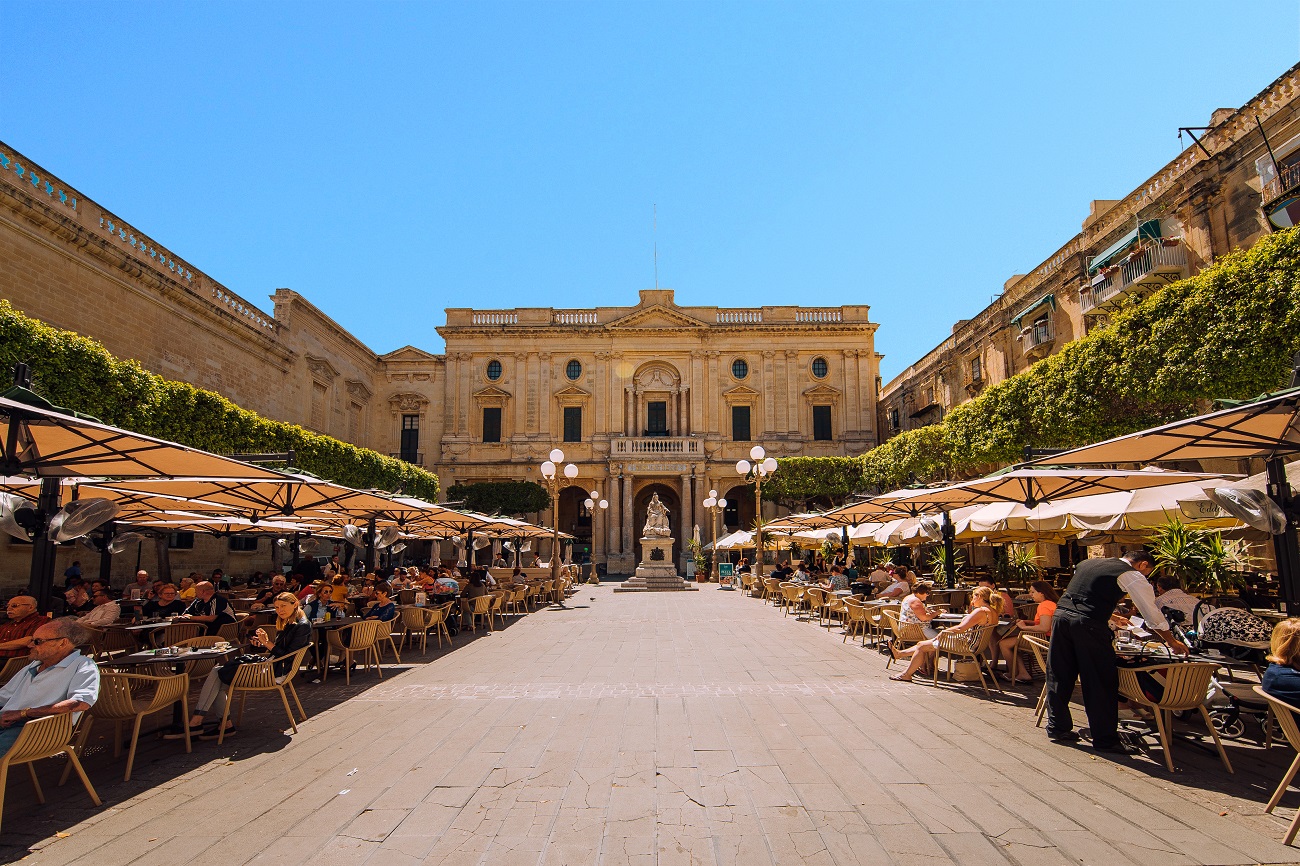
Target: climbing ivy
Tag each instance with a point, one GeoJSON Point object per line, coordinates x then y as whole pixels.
{"type": "Point", "coordinates": [80, 374]}
{"type": "Point", "coordinates": [501, 497]}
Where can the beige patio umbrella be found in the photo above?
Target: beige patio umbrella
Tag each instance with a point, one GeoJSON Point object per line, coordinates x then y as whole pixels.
{"type": "Point", "coordinates": [1131, 511]}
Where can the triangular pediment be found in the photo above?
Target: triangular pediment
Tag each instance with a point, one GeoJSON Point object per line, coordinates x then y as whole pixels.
{"type": "Point", "coordinates": [656, 316]}
{"type": "Point", "coordinates": [822, 390]}
{"type": "Point", "coordinates": [572, 392]}
{"type": "Point", "coordinates": [491, 392]}
{"type": "Point", "coordinates": [739, 394]}
{"type": "Point", "coordinates": [409, 353]}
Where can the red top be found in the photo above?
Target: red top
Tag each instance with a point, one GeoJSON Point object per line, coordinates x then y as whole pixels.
{"type": "Point", "coordinates": [14, 629]}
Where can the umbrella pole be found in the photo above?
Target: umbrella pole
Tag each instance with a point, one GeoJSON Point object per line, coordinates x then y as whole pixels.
{"type": "Point", "coordinates": [41, 583]}
{"type": "Point", "coordinates": [1285, 546]}
{"type": "Point", "coordinates": [949, 550]}
{"type": "Point", "coordinates": [106, 555]}
{"type": "Point", "coordinates": [370, 546]}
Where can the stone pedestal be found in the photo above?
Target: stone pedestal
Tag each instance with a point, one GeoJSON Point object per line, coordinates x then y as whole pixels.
{"type": "Point", "coordinates": [657, 572]}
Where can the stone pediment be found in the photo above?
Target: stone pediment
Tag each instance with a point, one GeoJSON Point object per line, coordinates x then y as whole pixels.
{"type": "Point", "coordinates": [823, 391]}
{"type": "Point", "coordinates": [656, 317]}
{"type": "Point", "coordinates": [572, 392]}
{"type": "Point", "coordinates": [491, 392]}
{"type": "Point", "coordinates": [409, 353]}
{"type": "Point", "coordinates": [740, 394]}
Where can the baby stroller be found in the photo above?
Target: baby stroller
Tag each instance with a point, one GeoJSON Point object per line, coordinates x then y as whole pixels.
{"type": "Point", "coordinates": [1235, 634]}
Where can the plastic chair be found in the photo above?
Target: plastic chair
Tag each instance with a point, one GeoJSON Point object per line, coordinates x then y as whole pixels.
{"type": "Point", "coordinates": [772, 591]}
{"type": "Point", "coordinates": [816, 599]}
{"type": "Point", "coordinates": [1286, 719]}
{"type": "Point", "coordinates": [364, 642]}
{"type": "Point", "coordinates": [855, 620]}
{"type": "Point", "coordinates": [176, 632]}
{"type": "Point", "coordinates": [260, 677]}
{"type": "Point", "coordinates": [481, 607]}
{"type": "Point", "coordinates": [1039, 647]}
{"type": "Point", "coordinates": [499, 600]}
{"type": "Point", "coordinates": [971, 644]}
{"type": "Point", "coordinates": [904, 634]}
{"type": "Point", "coordinates": [1186, 686]}
{"type": "Point", "coordinates": [43, 738]}
{"type": "Point", "coordinates": [121, 700]}
{"type": "Point", "coordinates": [791, 596]}
{"type": "Point", "coordinates": [12, 666]}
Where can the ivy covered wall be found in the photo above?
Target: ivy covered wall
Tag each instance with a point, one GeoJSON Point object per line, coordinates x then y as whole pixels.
{"type": "Point", "coordinates": [78, 373]}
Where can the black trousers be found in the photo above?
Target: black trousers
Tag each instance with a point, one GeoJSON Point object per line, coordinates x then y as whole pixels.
{"type": "Point", "coordinates": [1081, 651]}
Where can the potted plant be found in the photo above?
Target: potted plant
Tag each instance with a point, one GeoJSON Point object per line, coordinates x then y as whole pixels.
{"type": "Point", "coordinates": [1179, 550]}
{"type": "Point", "coordinates": [939, 568]}
{"type": "Point", "coordinates": [1023, 565]}
{"type": "Point", "coordinates": [701, 560]}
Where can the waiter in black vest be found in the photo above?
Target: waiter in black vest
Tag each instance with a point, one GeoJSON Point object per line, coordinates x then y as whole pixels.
{"type": "Point", "coordinates": [1082, 648]}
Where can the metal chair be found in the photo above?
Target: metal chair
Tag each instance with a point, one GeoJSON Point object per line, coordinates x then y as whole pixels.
{"type": "Point", "coordinates": [129, 698]}
{"type": "Point", "coordinates": [1186, 687]}
{"type": "Point", "coordinates": [43, 738]}
{"type": "Point", "coordinates": [1286, 719]}
{"type": "Point", "coordinates": [261, 677]}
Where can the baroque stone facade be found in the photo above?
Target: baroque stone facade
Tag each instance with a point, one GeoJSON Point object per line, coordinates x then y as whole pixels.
{"type": "Point", "coordinates": [1214, 197]}
{"type": "Point", "coordinates": [650, 398]}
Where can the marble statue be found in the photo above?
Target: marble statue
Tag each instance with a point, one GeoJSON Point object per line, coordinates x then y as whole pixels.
{"type": "Point", "coordinates": [656, 520]}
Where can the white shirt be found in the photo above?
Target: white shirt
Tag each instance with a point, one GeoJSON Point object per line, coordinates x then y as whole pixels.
{"type": "Point", "coordinates": [1179, 600]}
{"type": "Point", "coordinates": [74, 678]}
{"type": "Point", "coordinates": [1139, 589]}
{"type": "Point", "coordinates": [102, 615]}
{"type": "Point", "coordinates": [898, 588]}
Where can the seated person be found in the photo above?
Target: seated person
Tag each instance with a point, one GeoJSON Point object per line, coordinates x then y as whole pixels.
{"type": "Point", "coordinates": [295, 633]}
{"type": "Point", "coordinates": [208, 608]}
{"type": "Point", "coordinates": [914, 610]}
{"type": "Point", "coordinates": [899, 588]}
{"type": "Point", "coordinates": [800, 574]}
{"type": "Point", "coordinates": [138, 589]}
{"type": "Point", "coordinates": [838, 579]}
{"type": "Point", "coordinates": [104, 613]}
{"type": "Point", "coordinates": [984, 611]}
{"type": "Point", "coordinates": [16, 633]}
{"type": "Point", "coordinates": [268, 594]}
{"type": "Point", "coordinates": [219, 580]}
{"type": "Point", "coordinates": [58, 680]}
{"type": "Point", "coordinates": [1282, 676]}
{"type": "Point", "coordinates": [476, 587]}
{"type": "Point", "coordinates": [186, 592]}
{"type": "Point", "coordinates": [1172, 596]}
{"type": "Point", "coordinates": [167, 604]}
{"type": "Point", "coordinates": [1044, 596]}
{"type": "Point", "coordinates": [782, 570]}
{"type": "Point", "coordinates": [319, 601]}
{"type": "Point", "coordinates": [382, 606]}
{"type": "Point", "coordinates": [881, 576]}
{"type": "Point", "coordinates": [77, 600]}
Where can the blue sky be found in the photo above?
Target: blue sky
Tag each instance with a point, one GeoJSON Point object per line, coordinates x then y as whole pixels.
{"type": "Point", "coordinates": [389, 160]}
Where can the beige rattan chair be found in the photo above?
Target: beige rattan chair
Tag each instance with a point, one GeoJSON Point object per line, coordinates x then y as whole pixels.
{"type": "Point", "coordinates": [43, 738]}
{"type": "Point", "coordinates": [500, 599]}
{"type": "Point", "coordinates": [1286, 719]}
{"type": "Point", "coordinates": [772, 591]}
{"type": "Point", "coordinates": [130, 698]}
{"type": "Point", "coordinates": [230, 633]}
{"type": "Point", "coordinates": [12, 666]}
{"type": "Point", "coordinates": [791, 597]}
{"type": "Point", "coordinates": [1038, 645]}
{"type": "Point", "coordinates": [903, 634]}
{"type": "Point", "coordinates": [815, 598]}
{"type": "Point", "coordinates": [480, 609]}
{"type": "Point", "coordinates": [518, 600]}
{"type": "Point", "coordinates": [173, 634]}
{"type": "Point", "coordinates": [416, 620]}
{"type": "Point", "coordinates": [973, 645]}
{"type": "Point", "coordinates": [855, 620]}
{"type": "Point", "coordinates": [1186, 687]}
{"type": "Point", "coordinates": [260, 677]}
{"type": "Point", "coordinates": [747, 583]}
{"type": "Point", "coordinates": [366, 635]}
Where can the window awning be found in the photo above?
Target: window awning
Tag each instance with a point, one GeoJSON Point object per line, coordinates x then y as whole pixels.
{"type": "Point", "coordinates": [1149, 230]}
{"type": "Point", "coordinates": [1049, 299]}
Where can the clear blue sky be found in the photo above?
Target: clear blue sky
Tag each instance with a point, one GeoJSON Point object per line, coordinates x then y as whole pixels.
{"type": "Point", "coordinates": [390, 160]}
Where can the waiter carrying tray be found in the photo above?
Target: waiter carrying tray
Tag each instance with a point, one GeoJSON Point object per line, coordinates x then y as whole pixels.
{"type": "Point", "coordinates": [1082, 648]}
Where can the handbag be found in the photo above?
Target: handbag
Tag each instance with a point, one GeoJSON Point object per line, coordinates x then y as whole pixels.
{"type": "Point", "coordinates": [226, 673]}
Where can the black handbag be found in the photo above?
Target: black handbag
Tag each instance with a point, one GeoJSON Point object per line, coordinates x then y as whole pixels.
{"type": "Point", "coordinates": [226, 673]}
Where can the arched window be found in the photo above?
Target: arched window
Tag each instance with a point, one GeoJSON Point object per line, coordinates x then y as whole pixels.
{"type": "Point", "coordinates": [494, 369]}
{"type": "Point", "coordinates": [573, 370]}
{"type": "Point", "coordinates": [739, 368]}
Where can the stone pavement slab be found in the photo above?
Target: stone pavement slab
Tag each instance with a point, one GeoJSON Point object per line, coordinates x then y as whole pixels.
{"type": "Point", "coordinates": [656, 728]}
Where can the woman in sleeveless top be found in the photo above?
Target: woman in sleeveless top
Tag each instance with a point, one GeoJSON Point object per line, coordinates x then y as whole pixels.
{"type": "Point", "coordinates": [985, 604]}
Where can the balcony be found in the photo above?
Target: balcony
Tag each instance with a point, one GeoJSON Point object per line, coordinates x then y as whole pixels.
{"type": "Point", "coordinates": [1279, 197]}
{"type": "Point", "coordinates": [416, 457]}
{"type": "Point", "coordinates": [1036, 340]}
{"type": "Point", "coordinates": [1155, 264]}
{"type": "Point", "coordinates": [676, 447]}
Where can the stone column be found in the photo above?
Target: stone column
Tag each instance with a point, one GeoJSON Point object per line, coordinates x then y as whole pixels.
{"type": "Point", "coordinates": [767, 387]}
{"type": "Point", "coordinates": [794, 412]}
{"type": "Point", "coordinates": [628, 549]}
{"type": "Point", "coordinates": [688, 519]}
{"type": "Point", "coordinates": [612, 523]}
{"type": "Point", "coordinates": [544, 396]}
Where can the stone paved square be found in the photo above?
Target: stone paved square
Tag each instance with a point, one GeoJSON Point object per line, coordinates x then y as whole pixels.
{"type": "Point", "coordinates": [692, 728]}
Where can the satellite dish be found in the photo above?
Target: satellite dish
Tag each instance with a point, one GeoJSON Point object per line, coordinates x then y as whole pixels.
{"type": "Point", "coordinates": [1251, 507]}
{"type": "Point", "coordinates": [932, 528]}
{"type": "Point", "coordinates": [398, 547]}
{"type": "Point", "coordinates": [123, 541]}
{"type": "Point", "coordinates": [388, 537]}
{"type": "Point", "coordinates": [81, 516]}
{"type": "Point", "coordinates": [352, 535]}
{"type": "Point", "coordinates": [16, 514]}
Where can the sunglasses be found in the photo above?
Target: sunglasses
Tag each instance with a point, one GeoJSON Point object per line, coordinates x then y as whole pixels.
{"type": "Point", "coordinates": [37, 641]}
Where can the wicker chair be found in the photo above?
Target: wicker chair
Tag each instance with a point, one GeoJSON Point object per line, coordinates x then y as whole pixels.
{"type": "Point", "coordinates": [816, 600]}
{"type": "Point", "coordinates": [480, 608]}
{"type": "Point", "coordinates": [366, 635]}
{"type": "Point", "coordinates": [518, 600]}
{"type": "Point", "coordinates": [129, 698]}
{"type": "Point", "coordinates": [1186, 685]}
{"type": "Point", "coordinates": [877, 624]}
{"type": "Point", "coordinates": [972, 644]}
{"type": "Point", "coordinates": [260, 677]}
{"type": "Point", "coordinates": [905, 634]}
{"type": "Point", "coordinates": [43, 738]}
{"type": "Point", "coordinates": [855, 620]}
{"type": "Point", "coordinates": [500, 599]}
{"type": "Point", "coordinates": [230, 634]}
{"type": "Point", "coordinates": [772, 591]}
{"type": "Point", "coordinates": [791, 597]}
{"type": "Point", "coordinates": [173, 634]}
{"type": "Point", "coordinates": [416, 620]}
{"type": "Point", "coordinates": [1286, 719]}
{"type": "Point", "coordinates": [1039, 647]}
{"type": "Point", "coordinates": [12, 666]}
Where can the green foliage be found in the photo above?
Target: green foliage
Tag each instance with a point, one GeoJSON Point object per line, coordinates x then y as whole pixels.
{"type": "Point", "coordinates": [501, 497]}
{"type": "Point", "coordinates": [78, 373]}
{"type": "Point", "coordinates": [1021, 564]}
{"type": "Point", "coordinates": [1201, 558]}
{"type": "Point", "coordinates": [801, 483]}
{"type": "Point", "coordinates": [1228, 332]}
{"type": "Point", "coordinates": [703, 565]}
{"type": "Point", "coordinates": [939, 568]}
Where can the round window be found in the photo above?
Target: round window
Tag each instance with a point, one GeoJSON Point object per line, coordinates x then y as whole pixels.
{"type": "Point", "coordinates": [819, 368]}
{"type": "Point", "coordinates": [739, 368]}
{"type": "Point", "coordinates": [494, 370]}
{"type": "Point", "coordinates": [573, 370]}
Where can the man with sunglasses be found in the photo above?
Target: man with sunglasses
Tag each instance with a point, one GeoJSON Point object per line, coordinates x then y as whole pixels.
{"type": "Point", "coordinates": [59, 680]}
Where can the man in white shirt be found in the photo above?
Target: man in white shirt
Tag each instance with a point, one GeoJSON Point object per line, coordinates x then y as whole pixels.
{"type": "Point", "coordinates": [59, 680]}
{"type": "Point", "coordinates": [1172, 596]}
{"type": "Point", "coordinates": [105, 613]}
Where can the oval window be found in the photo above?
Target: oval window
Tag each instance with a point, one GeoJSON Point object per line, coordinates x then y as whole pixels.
{"type": "Point", "coordinates": [739, 368]}
{"type": "Point", "coordinates": [820, 368]}
{"type": "Point", "coordinates": [494, 370]}
{"type": "Point", "coordinates": [573, 370]}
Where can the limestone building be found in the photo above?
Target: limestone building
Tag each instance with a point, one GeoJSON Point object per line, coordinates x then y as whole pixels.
{"type": "Point", "coordinates": [649, 398]}
{"type": "Point", "coordinates": [1223, 192]}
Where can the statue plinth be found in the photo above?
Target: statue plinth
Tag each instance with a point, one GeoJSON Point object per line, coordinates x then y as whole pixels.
{"type": "Point", "coordinates": [656, 573]}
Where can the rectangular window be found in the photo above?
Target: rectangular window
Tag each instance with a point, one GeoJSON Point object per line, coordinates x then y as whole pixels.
{"type": "Point", "coordinates": [243, 543]}
{"type": "Point", "coordinates": [492, 424]}
{"type": "Point", "coordinates": [572, 423]}
{"type": "Point", "coordinates": [656, 418]}
{"type": "Point", "coordinates": [410, 438]}
{"type": "Point", "coordinates": [739, 423]}
{"type": "Point", "coordinates": [822, 423]}
{"type": "Point", "coordinates": [976, 373]}
{"type": "Point", "coordinates": [893, 419]}
{"type": "Point", "coordinates": [181, 541]}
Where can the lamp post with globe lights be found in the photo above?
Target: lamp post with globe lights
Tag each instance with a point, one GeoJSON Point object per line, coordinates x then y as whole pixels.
{"type": "Point", "coordinates": [713, 505]}
{"type": "Point", "coordinates": [594, 501]}
{"type": "Point", "coordinates": [570, 472]}
{"type": "Point", "coordinates": [762, 467]}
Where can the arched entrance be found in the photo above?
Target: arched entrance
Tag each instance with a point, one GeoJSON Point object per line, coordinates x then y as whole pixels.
{"type": "Point", "coordinates": [575, 519]}
{"type": "Point", "coordinates": [672, 502]}
{"type": "Point", "coordinates": [739, 513]}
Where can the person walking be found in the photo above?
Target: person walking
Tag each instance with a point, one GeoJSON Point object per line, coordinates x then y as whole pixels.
{"type": "Point", "coordinates": [1081, 649]}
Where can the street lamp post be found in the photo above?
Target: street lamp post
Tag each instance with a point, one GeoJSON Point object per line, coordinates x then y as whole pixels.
{"type": "Point", "coordinates": [761, 468]}
{"type": "Point", "coordinates": [593, 502]}
{"type": "Point", "coordinates": [713, 505]}
{"type": "Point", "coordinates": [552, 484]}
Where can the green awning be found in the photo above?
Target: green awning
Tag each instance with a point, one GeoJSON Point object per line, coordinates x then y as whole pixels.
{"type": "Point", "coordinates": [1149, 230]}
{"type": "Point", "coordinates": [1049, 299]}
